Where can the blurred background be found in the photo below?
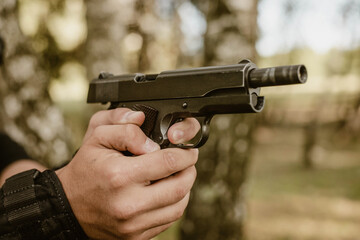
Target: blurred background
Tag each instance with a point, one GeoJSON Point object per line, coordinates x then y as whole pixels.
{"type": "Point", "coordinates": [290, 172]}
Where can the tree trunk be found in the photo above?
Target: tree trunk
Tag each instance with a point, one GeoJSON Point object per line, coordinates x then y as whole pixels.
{"type": "Point", "coordinates": [26, 111]}
{"type": "Point", "coordinates": [128, 36]}
{"type": "Point", "coordinates": [217, 208]}
{"type": "Point", "coordinates": [107, 26]}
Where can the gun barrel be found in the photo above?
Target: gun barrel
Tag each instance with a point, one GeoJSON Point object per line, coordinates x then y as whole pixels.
{"type": "Point", "coordinates": [283, 75]}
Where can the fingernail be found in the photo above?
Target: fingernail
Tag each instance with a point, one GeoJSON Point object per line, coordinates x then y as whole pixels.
{"type": "Point", "coordinates": [129, 116]}
{"type": "Point", "coordinates": [178, 135]}
{"type": "Point", "coordinates": [151, 146]}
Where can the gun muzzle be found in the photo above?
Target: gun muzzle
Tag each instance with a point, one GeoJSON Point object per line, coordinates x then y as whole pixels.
{"type": "Point", "coordinates": [283, 75]}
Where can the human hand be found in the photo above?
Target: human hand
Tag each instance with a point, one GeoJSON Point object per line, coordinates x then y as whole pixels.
{"type": "Point", "coordinates": [114, 196]}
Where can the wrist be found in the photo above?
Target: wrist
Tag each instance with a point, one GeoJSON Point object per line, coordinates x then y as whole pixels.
{"type": "Point", "coordinates": [70, 190]}
{"type": "Point", "coordinates": [19, 166]}
{"type": "Point", "coordinates": [36, 207]}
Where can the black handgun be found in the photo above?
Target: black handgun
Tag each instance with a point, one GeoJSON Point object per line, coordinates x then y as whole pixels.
{"type": "Point", "coordinates": [171, 96]}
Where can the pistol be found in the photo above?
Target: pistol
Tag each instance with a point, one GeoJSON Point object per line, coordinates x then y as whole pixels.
{"type": "Point", "coordinates": [201, 93]}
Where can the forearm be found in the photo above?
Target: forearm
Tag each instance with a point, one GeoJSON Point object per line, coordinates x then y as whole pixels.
{"type": "Point", "coordinates": [19, 166]}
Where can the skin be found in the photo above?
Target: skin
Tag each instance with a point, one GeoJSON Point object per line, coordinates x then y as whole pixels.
{"type": "Point", "coordinates": [19, 166]}
{"type": "Point", "coordinates": [119, 197]}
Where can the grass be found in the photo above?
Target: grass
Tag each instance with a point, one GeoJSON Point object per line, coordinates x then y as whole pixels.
{"type": "Point", "coordinates": [302, 217]}
{"type": "Point", "coordinates": [287, 201]}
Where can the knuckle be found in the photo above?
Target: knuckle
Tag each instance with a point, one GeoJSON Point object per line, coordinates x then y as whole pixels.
{"type": "Point", "coordinates": [160, 197]}
{"type": "Point", "coordinates": [169, 159]}
{"type": "Point", "coordinates": [98, 131]}
{"type": "Point", "coordinates": [127, 230]}
{"type": "Point", "coordinates": [98, 134]}
{"type": "Point", "coordinates": [131, 132]}
{"type": "Point", "coordinates": [115, 179]}
{"type": "Point", "coordinates": [180, 192]}
{"type": "Point", "coordinates": [118, 114]}
{"type": "Point", "coordinates": [194, 154]}
{"type": "Point", "coordinates": [193, 172]}
{"type": "Point", "coordinates": [95, 118]}
{"type": "Point", "coordinates": [179, 213]}
{"type": "Point", "coordinates": [125, 211]}
{"type": "Point", "coordinates": [134, 172]}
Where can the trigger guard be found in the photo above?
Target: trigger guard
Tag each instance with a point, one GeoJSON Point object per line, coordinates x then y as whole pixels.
{"type": "Point", "coordinates": [205, 131]}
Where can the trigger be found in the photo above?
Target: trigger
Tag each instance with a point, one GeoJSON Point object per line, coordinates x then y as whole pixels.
{"type": "Point", "coordinates": [150, 117]}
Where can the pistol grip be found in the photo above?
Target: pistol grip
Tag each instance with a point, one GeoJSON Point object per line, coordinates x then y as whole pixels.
{"type": "Point", "coordinates": [150, 117]}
